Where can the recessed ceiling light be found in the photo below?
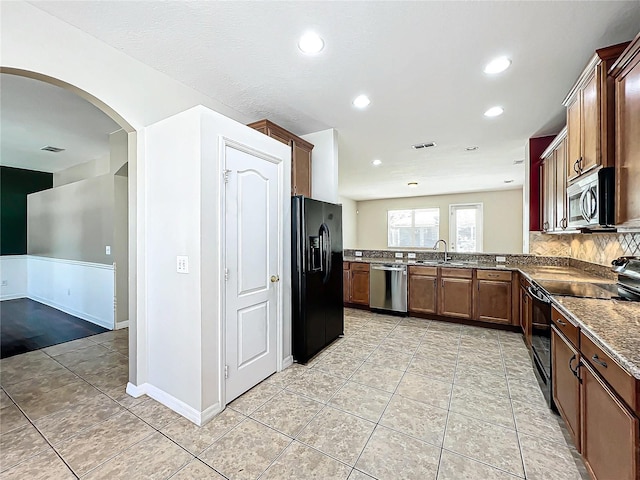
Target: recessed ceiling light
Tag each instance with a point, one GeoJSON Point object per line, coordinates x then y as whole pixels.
{"type": "Point", "coordinates": [376, 163]}
{"type": "Point", "coordinates": [472, 148]}
{"type": "Point", "coordinates": [494, 112]}
{"type": "Point", "coordinates": [508, 181]}
{"type": "Point", "coordinates": [412, 184]}
{"type": "Point", "coordinates": [497, 65]}
{"type": "Point", "coordinates": [310, 43]}
{"type": "Point", "coordinates": [361, 101]}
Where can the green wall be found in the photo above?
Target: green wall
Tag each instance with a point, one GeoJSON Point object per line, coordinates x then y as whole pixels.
{"type": "Point", "coordinates": [15, 185]}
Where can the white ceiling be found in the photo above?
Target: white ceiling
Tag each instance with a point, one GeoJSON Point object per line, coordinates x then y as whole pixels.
{"type": "Point", "coordinates": [35, 114]}
{"type": "Point", "coordinates": [420, 63]}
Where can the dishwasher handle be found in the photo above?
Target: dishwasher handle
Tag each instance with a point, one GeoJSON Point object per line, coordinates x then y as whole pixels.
{"type": "Point", "coordinates": [389, 269]}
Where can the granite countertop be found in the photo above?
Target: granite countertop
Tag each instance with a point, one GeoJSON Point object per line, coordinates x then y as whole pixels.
{"type": "Point", "coordinates": [614, 325]}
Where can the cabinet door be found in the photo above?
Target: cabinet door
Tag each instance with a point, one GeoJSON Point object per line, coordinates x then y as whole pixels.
{"type": "Point", "coordinates": [301, 171]}
{"type": "Point", "coordinates": [560, 155]}
{"type": "Point", "coordinates": [455, 297]}
{"type": "Point", "coordinates": [346, 286]}
{"type": "Point", "coordinates": [590, 125]}
{"type": "Point", "coordinates": [493, 301]}
{"type": "Point", "coordinates": [609, 431]}
{"type": "Point", "coordinates": [360, 287]}
{"type": "Point", "coordinates": [566, 386]}
{"type": "Point", "coordinates": [423, 294]}
{"type": "Point", "coordinates": [574, 135]}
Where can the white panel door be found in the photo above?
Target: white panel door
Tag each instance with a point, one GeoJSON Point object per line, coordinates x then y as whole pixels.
{"type": "Point", "coordinates": [251, 259]}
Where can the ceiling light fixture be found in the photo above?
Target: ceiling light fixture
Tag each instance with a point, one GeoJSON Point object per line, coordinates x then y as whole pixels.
{"type": "Point", "coordinates": [412, 184]}
{"type": "Point", "coordinates": [472, 148]}
{"type": "Point", "coordinates": [361, 101]}
{"type": "Point", "coordinates": [310, 43]}
{"type": "Point", "coordinates": [494, 112]}
{"type": "Point", "coordinates": [376, 163]}
{"type": "Point", "coordinates": [497, 65]}
{"type": "Point", "coordinates": [508, 181]}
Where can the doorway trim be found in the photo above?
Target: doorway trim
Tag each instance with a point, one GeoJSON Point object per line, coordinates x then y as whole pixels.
{"type": "Point", "coordinates": [225, 142]}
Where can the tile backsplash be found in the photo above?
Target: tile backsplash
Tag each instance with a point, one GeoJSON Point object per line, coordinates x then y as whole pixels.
{"type": "Point", "coordinates": [598, 248]}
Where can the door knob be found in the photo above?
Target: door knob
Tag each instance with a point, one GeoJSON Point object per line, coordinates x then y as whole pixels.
{"type": "Point", "coordinates": [275, 278]}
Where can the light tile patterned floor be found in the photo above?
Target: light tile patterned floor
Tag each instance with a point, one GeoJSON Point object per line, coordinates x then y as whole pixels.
{"type": "Point", "coordinates": [397, 398]}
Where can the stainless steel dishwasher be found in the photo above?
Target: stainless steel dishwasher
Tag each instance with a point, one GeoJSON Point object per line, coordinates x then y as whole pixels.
{"type": "Point", "coordinates": [388, 287]}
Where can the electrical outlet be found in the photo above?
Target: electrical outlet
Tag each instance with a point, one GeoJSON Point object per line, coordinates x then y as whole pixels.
{"type": "Point", "coordinates": [411, 255]}
{"type": "Point", "coordinates": [501, 259]}
{"type": "Point", "coordinates": [399, 255]}
{"type": "Point", "coordinates": [182, 264]}
{"type": "Point", "coordinates": [107, 250]}
{"type": "Point", "coordinates": [5, 283]}
{"type": "Point", "coordinates": [358, 253]}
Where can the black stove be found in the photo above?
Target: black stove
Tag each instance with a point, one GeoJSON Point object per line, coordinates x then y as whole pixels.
{"type": "Point", "coordinates": [603, 291]}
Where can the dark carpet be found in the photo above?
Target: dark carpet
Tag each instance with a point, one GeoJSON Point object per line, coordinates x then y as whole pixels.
{"type": "Point", "coordinates": [26, 325]}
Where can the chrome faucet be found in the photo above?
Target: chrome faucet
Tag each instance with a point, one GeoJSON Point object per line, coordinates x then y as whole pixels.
{"type": "Point", "coordinates": [446, 256]}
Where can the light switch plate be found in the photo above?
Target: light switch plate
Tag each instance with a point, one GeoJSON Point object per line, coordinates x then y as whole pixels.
{"type": "Point", "coordinates": [182, 264]}
{"type": "Point", "coordinates": [358, 253]}
{"type": "Point", "coordinates": [107, 250]}
{"type": "Point", "coordinates": [501, 259]}
{"type": "Point", "coordinates": [411, 255]}
{"type": "Point", "coordinates": [399, 255]}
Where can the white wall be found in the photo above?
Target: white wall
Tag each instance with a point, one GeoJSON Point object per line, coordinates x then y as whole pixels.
{"type": "Point", "coordinates": [13, 271]}
{"type": "Point", "coordinates": [502, 212]}
{"type": "Point", "coordinates": [349, 222]}
{"type": "Point", "coordinates": [92, 168]}
{"type": "Point", "coordinates": [183, 218]}
{"type": "Point", "coordinates": [324, 165]}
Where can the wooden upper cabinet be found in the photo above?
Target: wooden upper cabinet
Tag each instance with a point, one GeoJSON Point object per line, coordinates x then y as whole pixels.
{"type": "Point", "coordinates": [553, 192]}
{"type": "Point", "coordinates": [565, 384]}
{"type": "Point", "coordinates": [626, 75]}
{"type": "Point", "coordinates": [561, 213]}
{"type": "Point", "coordinates": [300, 155]}
{"type": "Point", "coordinates": [590, 115]}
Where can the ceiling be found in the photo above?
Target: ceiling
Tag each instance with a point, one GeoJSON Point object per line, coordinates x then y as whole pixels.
{"type": "Point", "coordinates": [36, 114]}
{"type": "Point", "coordinates": [420, 63]}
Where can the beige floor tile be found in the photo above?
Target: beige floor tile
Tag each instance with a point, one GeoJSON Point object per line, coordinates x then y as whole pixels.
{"type": "Point", "coordinates": [250, 401]}
{"type": "Point", "coordinates": [19, 445]}
{"type": "Point", "coordinates": [391, 455]}
{"type": "Point", "coordinates": [407, 345]}
{"type": "Point", "coordinates": [68, 346]}
{"type": "Point", "coordinates": [288, 375]}
{"type": "Point", "coordinates": [378, 376]}
{"type": "Point", "coordinates": [196, 470]}
{"type": "Point", "coordinates": [544, 460]}
{"type": "Point", "coordinates": [33, 387]}
{"type": "Point", "coordinates": [44, 466]}
{"type": "Point", "coordinates": [92, 360]}
{"type": "Point", "coordinates": [435, 368]}
{"type": "Point", "coordinates": [391, 358]}
{"type": "Point", "coordinates": [299, 462]}
{"type": "Point", "coordinates": [488, 443]}
{"type": "Point", "coordinates": [120, 395]}
{"type": "Point", "coordinates": [537, 420]}
{"type": "Point", "coordinates": [527, 391]}
{"type": "Point", "coordinates": [447, 327]}
{"type": "Point", "coordinates": [361, 400]}
{"type": "Point", "coordinates": [103, 337]}
{"type": "Point", "coordinates": [154, 413]}
{"type": "Point", "coordinates": [356, 348]}
{"type": "Point", "coordinates": [196, 439]}
{"type": "Point", "coordinates": [65, 423]}
{"type": "Point", "coordinates": [520, 370]}
{"type": "Point", "coordinates": [438, 352]}
{"type": "Point", "coordinates": [417, 419]}
{"type": "Point", "coordinates": [100, 442]}
{"type": "Point", "coordinates": [154, 457]}
{"type": "Point", "coordinates": [11, 418]}
{"type": "Point", "coordinates": [457, 467]}
{"type": "Point", "coordinates": [109, 379]}
{"type": "Point", "coordinates": [489, 364]}
{"type": "Point", "coordinates": [480, 380]}
{"type": "Point", "coordinates": [317, 385]}
{"type": "Point", "coordinates": [12, 371]}
{"type": "Point", "coordinates": [120, 345]}
{"type": "Point", "coordinates": [287, 412]}
{"type": "Point", "coordinates": [339, 364]}
{"type": "Point", "coordinates": [483, 406]}
{"type": "Point", "coordinates": [5, 401]}
{"type": "Point", "coordinates": [425, 389]}
{"type": "Point", "coordinates": [246, 451]}
{"type": "Point", "coordinates": [338, 434]}
{"type": "Point", "coordinates": [55, 400]}
{"type": "Point", "coordinates": [358, 475]}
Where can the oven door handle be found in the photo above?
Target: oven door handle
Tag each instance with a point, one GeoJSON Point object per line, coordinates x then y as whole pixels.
{"type": "Point", "coordinates": [535, 295]}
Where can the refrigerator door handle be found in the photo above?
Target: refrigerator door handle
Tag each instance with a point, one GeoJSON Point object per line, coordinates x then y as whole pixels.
{"type": "Point", "coordinates": [325, 237]}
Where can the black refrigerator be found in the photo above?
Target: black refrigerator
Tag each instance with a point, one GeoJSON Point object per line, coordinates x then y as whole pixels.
{"type": "Point", "coordinates": [318, 317]}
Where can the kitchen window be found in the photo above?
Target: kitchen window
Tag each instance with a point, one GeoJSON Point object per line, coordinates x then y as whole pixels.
{"type": "Point", "coordinates": [465, 227]}
{"type": "Point", "coordinates": [413, 228]}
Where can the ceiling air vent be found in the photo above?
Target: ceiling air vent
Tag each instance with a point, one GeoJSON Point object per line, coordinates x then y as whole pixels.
{"type": "Point", "coordinates": [518, 162]}
{"type": "Point", "coordinates": [49, 148]}
{"type": "Point", "coordinates": [418, 146]}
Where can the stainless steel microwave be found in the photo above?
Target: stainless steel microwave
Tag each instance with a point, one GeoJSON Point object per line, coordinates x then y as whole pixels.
{"type": "Point", "coordinates": [590, 201]}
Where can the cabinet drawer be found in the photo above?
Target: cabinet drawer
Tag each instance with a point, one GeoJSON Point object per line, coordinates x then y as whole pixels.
{"type": "Point", "coordinates": [494, 275]}
{"type": "Point", "coordinates": [456, 272]}
{"type": "Point", "coordinates": [359, 266]}
{"type": "Point", "coordinates": [563, 324]}
{"type": "Point", "coordinates": [429, 271]}
{"type": "Point", "coordinates": [346, 265]}
{"type": "Point", "coordinates": [623, 383]}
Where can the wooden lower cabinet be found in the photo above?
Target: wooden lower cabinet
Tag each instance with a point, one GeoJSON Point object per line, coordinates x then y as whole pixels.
{"type": "Point", "coordinates": [610, 432]}
{"type": "Point", "coordinates": [456, 297]}
{"type": "Point", "coordinates": [493, 301]}
{"type": "Point", "coordinates": [346, 285]}
{"type": "Point", "coordinates": [566, 386]}
{"type": "Point", "coordinates": [360, 287]}
{"type": "Point", "coordinates": [423, 294]}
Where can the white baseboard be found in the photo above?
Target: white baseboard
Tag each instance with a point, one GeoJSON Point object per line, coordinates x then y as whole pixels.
{"type": "Point", "coordinates": [12, 296]}
{"type": "Point", "coordinates": [287, 362]}
{"type": "Point", "coordinates": [75, 313]}
{"type": "Point", "coordinates": [178, 406]}
{"type": "Point", "coordinates": [120, 325]}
